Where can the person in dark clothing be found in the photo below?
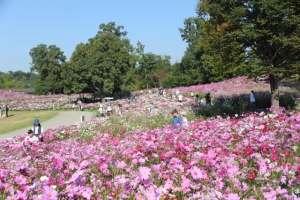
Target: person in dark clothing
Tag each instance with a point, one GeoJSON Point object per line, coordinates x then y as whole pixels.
{"type": "Point", "coordinates": [6, 110]}
{"type": "Point", "coordinates": [132, 97]}
{"type": "Point", "coordinates": [208, 98]}
{"type": "Point", "coordinates": [252, 101]}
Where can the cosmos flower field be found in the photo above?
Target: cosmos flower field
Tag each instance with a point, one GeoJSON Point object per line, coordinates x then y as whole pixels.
{"type": "Point", "coordinates": [248, 156]}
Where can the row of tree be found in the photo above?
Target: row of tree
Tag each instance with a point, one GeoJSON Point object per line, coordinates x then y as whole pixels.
{"type": "Point", "coordinates": [17, 80]}
{"type": "Point", "coordinates": [106, 63]}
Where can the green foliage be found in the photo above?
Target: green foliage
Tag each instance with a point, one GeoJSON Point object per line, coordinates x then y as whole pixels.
{"type": "Point", "coordinates": [47, 62]}
{"type": "Point", "coordinates": [171, 81]}
{"type": "Point", "coordinates": [260, 37]}
{"type": "Point", "coordinates": [102, 63]}
{"type": "Point", "coordinates": [152, 68]}
{"type": "Point", "coordinates": [17, 80]}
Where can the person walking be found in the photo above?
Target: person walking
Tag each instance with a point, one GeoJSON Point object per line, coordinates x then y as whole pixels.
{"type": "Point", "coordinates": [177, 93]}
{"type": "Point", "coordinates": [180, 99]}
{"type": "Point", "coordinates": [208, 98]}
{"type": "Point", "coordinates": [252, 101]}
{"type": "Point", "coordinates": [101, 110]}
{"type": "Point", "coordinates": [38, 129]}
{"type": "Point", "coordinates": [6, 110]}
{"type": "Point", "coordinates": [177, 119]}
{"type": "Point", "coordinates": [120, 109]}
{"type": "Point", "coordinates": [132, 96]}
{"type": "Point", "coordinates": [151, 109]}
{"type": "Point", "coordinates": [79, 103]}
{"type": "Point", "coordinates": [73, 106]}
{"type": "Point", "coordinates": [173, 94]}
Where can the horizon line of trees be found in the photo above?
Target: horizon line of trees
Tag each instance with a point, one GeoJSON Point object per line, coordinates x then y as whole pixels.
{"type": "Point", "coordinates": [17, 80]}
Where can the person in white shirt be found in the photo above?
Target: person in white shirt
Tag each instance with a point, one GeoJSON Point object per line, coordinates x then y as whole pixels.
{"type": "Point", "coordinates": [30, 138]}
{"type": "Point", "coordinates": [101, 110]}
{"type": "Point", "coordinates": [252, 101]}
{"type": "Point", "coordinates": [177, 92]}
{"type": "Point", "coordinates": [109, 110]}
{"type": "Point", "coordinates": [192, 94]}
{"type": "Point", "coordinates": [73, 107]}
{"type": "Point", "coordinates": [180, 99]}
{"type": "Point", "coordinates": [184, 119]}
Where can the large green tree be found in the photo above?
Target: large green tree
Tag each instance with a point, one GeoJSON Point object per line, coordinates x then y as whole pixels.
{"type": "Point", "coordinates": [47, 62]}
{"type": "Point", "coordinates": [238, 31]}
{"type": "Point", "coordinates": [101, 64]}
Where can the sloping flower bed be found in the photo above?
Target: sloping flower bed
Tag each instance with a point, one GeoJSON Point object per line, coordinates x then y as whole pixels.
{"type": "Point", "coordinates": [253, 157]}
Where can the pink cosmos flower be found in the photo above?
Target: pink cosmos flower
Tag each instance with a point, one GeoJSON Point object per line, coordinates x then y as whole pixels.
{"type": "Point", "coordinates": [196, 172]}
{"type": "Point", "coordinates": [145, 172]}
{"type": "Point", "coordinates": [219, 183]}
{"type": "Point", "coordinates": [270, 195]}
{"type": "Point", "coordinates": [76, 175]}
{"type": "Point", "coordinates": [49, 193]}
{"type": "Point", "coordinates": [20, 180]}
{"type": "Point", "coordinates": [185, 182]}
{"type": "Point", "coordinates": [87, 192]}
{"type": "Point", "coordinates": [103, 167]}
{"type": "Point", "coordinates": [122, 179]}
{"type": "Point", "coordinates": [233, 196]}
{"type": "Point", "coordinates": [174, 161]}
{"type": "Point", "coordinates": [21, 195]}
{"type": "Point", "coordinates": [84, 164]}
{"type": "Point", "coordinates": [233, 171]}
{"type": "Point", "coordinates": [168, 184]}
{"type": "Point", "coordinates": [211, 153]}
{"type": "Point", "coordinates": [121, 164]}
{"type": "Point", "coordinates": [281, 191]}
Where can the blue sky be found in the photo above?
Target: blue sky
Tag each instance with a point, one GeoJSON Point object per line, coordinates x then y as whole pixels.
{"type": "Point", "coordinates": [24, 24]}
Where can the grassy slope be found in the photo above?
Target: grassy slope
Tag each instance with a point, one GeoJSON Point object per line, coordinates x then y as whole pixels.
{"type": "Point", "coordinates": [20, 119]}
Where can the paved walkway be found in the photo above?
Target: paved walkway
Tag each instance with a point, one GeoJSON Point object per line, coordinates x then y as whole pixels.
{"type": "Point", "coordinates": [63, 118]}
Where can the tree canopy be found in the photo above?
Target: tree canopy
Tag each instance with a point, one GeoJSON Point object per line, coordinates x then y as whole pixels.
{"type": "Point", "coordinates": [261, 37]}
{"type": "Point", "coordinates": [47, 62]}
{"type": "Point", "coordinates": [100, 64]}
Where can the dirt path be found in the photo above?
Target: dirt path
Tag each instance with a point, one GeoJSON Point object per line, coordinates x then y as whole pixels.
{"type": "Point", "coordinates": [63, 118]}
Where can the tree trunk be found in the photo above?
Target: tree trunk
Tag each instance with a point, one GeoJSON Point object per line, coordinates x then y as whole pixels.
{"type": "Point", "coordinates": [274, 92]}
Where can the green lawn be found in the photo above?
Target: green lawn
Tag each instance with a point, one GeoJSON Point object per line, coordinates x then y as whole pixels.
{"type": "Point", "coordinates": [21, 119]}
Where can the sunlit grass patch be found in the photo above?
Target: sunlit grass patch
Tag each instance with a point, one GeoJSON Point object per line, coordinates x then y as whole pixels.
{"type": "Point", "coordinates": [21, 119]}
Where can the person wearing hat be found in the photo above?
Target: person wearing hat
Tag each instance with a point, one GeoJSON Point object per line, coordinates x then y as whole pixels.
{"type": "Point", "coordinates": [30, 137]}
{"type": "Point", "coordinates": [109, 110]}
{"type": "Point", "coordinates": [183, 115]}
{"type": "Point", "coordinates": [101, 110]}
{"type": "Point", "coordinates": [177, 119]}
{"type": "Point", "coordinates": [37, 129]}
